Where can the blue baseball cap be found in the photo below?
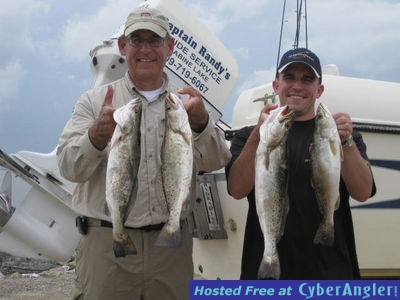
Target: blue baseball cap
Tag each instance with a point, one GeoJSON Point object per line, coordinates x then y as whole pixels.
{"type": "Point", "coordinates": [303, 56]}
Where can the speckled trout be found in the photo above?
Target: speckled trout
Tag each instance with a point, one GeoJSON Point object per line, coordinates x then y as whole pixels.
{"type": "Point", "coordinates": [326, 161]}
{"type": "Point", "coordinates": [122, 169]}
{"type": "Point", "coordinates": [176, 170]}
{"type": "Point", "coordinates": [272, 201]}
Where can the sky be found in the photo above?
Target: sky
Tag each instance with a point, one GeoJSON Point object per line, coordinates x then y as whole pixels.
{"type": "Point", "coordinates": [45, 44]}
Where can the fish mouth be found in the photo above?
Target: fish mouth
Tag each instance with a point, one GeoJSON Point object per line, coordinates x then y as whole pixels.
{"type": "Point", "coordinates": [286, 115]}
{"type": "Point", "coordinates": [171, 101]}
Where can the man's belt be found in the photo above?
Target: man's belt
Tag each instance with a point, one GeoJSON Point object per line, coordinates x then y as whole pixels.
{"type": "Point", "coordinates": [83, 223]}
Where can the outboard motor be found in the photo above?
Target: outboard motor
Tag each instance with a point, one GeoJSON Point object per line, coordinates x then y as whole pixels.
{"type": "Point", "coordinates": [6, 210]}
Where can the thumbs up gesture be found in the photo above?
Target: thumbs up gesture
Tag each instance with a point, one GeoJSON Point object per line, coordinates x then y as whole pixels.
{"type": "Point", "coordinates": [103, 127]}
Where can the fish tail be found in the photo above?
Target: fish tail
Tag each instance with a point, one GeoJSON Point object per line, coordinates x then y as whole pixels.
{"type": "Point", "coordinates": [106, 209]}
{"type": "Point", "coordinates": [169, 237]}
{"type": "Point", "coordinates": [325, 234]}
{"type": "Point", "coordinates": [269, 268]}
{"type": "Point", "coordinates": [124, 246]}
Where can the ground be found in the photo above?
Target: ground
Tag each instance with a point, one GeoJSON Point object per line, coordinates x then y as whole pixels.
{"type": "Point", "coordinates": [55, 287]}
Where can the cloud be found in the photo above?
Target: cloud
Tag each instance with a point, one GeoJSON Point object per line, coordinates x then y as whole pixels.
{"type": "Point", "coordinates": [19, 21]}
{"type": "Point", "coordinates": [240, 10]}
{"type": "Point", "coordinates": [222, 13]}
{"type": "Point", "coordinates": [241, 53]}
{"type": "Point", "coordinates": [82, 33]}
{"type": "Point", "coordinates": [17, 25]}
{"type": "Point", "coordinates": [362, 38]}
{"type": "Point", "coordinates": [10, 78]}
{"type": "Point", "coordinates": [362, 23]}
{"type": "Point", "coordinates": [257, 78]}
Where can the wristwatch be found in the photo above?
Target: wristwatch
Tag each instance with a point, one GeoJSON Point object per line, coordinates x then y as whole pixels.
{"type": "Point", "coordinates": [347, 143]}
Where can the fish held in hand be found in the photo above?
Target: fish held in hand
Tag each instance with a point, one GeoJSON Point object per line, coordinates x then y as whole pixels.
{"type": "Point", "coordinates": [326, 162]}
{"type": "Point", "coordinates": [272, 201]}
{"type": "Point", "coordinates": [176, 170]}
{"type": "Point", "coordinates": [122, 169]}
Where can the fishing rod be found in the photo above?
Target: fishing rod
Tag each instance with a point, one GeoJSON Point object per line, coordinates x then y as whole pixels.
{"type": "Point", "coordinates": [280, 35]}
{"type": "Point", "coordinates": [305, 22]}
{"type": "Point", "coordinates": [299, 14]}
{"type": "Point", "coordinates": [299, 17]}
{"type": "Point", "coordinates": [265, 98]}
{"type": "Point", "coordinates": [298, 25]}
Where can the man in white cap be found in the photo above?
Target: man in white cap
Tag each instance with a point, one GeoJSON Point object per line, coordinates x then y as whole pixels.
{"type": "Point", "coordinates": [154, 272]}
{"type": "Point", "coordinates": [299, 84]}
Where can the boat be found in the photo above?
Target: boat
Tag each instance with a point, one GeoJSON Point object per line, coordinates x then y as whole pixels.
{"type": "Point", "coordinates": [36, 216]}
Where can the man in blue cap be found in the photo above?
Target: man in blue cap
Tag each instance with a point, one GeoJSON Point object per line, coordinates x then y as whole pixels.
{"type": "Point", "coordinates": [299, 83]}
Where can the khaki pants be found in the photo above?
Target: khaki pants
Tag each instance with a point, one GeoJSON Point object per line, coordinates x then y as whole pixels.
{"type": "Point", "coordinates": [154, 273]}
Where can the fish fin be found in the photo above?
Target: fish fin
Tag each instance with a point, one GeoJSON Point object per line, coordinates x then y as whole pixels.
{"type": "Point", "coordinates": [341, 153]}
{"type": "Point", "coordinates": [115, 142]}
{"type": "Point", "coordinates": [337, 204]}
{"type": "Point", "coordinates": [124, 247]}
{"type": "Point", "coordinates": [266, 161]}
{"type": "Point", "coordinates": [312, 184]}
{"type": "Point", "coordinates": [325, 234]}
{"type": "Point", "coordinates": [334, 147]}
{"type": "Point", "coordinates": [186, 137]}
{"type": "Point", "coordinates": [269, 268]}
{"type": "Point", "coordinates": [169, 237]}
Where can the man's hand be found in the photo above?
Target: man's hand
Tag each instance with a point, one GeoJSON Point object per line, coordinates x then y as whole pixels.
{"type": "Point", "coordinates": [265, 112]}
{"type": "Point", "coordinates": [344, 125]}
{"type": "Point", "coordinates": [103, 127]}
{"type": "Point", "coordinates": [196, 110]}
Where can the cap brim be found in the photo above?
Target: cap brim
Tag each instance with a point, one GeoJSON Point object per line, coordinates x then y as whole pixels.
{"type": "Point", "coordinates": [300, 62]}
{"type": "Point", "coordinates": [157, 29]}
